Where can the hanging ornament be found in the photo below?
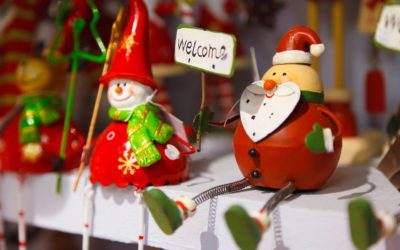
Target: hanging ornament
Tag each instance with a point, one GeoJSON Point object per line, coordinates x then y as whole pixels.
{"type": "Point", "coordinates": [375, 94]}
{"type": "Point", "coordinates": [286, 139]}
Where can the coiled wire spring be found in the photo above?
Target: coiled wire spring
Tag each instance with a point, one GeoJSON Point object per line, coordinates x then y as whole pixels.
{"type": "Point", "coordinates": [221, 189]}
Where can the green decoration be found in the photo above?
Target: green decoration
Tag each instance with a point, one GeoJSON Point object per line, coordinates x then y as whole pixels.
{"type": "Point", "coordinates": [164, 211]}
{"type": "Point", "coordinates": [364, 226]}
{"type": "Point", "coordinates": [201, 123]}
{"type": "Point", "coordinates": [144, 128]}
{"type": "Point", "coordinates": [74, 58]}
{"type": "Point", "coordinates": [245, 231]}
{"type": "Point", "coordinates": [315, 140]}
{"type": "Point", "coordinates": [37, 110]}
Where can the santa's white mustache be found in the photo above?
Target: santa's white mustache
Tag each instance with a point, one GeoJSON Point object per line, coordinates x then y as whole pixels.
{"type": "Point", "coordinates": [281, 90]}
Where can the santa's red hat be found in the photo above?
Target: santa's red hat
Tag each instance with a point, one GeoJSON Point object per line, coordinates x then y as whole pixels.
{"type": "Point", "coordinates": [298, 45]}
{"type": "Point", "coordinates": [131, 59]}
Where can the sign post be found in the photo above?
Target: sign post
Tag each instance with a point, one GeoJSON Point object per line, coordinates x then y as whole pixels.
{"type": "Point", "coordinates": [208, 52]}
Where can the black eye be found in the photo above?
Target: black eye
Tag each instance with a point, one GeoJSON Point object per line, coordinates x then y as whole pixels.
{"type": "Point", "coordinates": [274, 73]}
{"type": "Point", "coordinates": [284, 74]}
{"type": "Point", "coordinates": [124, 84]}
{"type": "Point", "coordinates": [118, 84]}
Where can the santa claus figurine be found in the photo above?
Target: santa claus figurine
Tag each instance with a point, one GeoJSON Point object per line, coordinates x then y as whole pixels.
{"type": "Point", "coordinates": [138, 148]}
{"type": "Point", "coordinates": [286, 140]}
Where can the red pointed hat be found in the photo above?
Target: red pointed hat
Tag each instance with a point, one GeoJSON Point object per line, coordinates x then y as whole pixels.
{"type": "Point", "coordinates": [297, 46]}
{"type": "Point", "coordinates": [131, 59]}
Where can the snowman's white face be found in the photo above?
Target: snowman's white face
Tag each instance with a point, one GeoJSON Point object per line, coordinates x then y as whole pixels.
{"type": "Point", "coordinates": [124, 93]}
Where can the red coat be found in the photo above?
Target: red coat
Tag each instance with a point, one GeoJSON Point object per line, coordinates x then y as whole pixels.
{"type": "Point", "coordinates": [11, 156]}
{"type": "Point", "coordinates": [110, 152]}
{"type": "Point", "coordinates": [283, 155]}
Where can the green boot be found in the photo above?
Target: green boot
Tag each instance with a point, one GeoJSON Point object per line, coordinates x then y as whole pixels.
{"type": "Point", "coordinates": [244, 229]}
{"type": "Point", "coordinates": [364, 226]}
{"type": "Point", "coordinates": [167, 213]}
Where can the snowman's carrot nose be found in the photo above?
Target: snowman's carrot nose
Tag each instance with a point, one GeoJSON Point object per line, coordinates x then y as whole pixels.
{"type": "Point", "coordinates": [118, 90]}
{"type": "Point", "coordinates": [269, 85]}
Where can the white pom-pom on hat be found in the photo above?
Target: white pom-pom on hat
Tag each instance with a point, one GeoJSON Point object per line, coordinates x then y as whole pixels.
{"type": "Point", "coordinates": [317, 49]}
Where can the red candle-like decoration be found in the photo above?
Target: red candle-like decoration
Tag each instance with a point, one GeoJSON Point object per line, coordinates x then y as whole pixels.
{"type": "Point", "coordinates": [375, 92]}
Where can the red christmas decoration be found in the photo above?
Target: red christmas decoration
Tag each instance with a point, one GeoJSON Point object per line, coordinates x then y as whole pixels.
{"type": "Point", "coordinates": [11, 159]}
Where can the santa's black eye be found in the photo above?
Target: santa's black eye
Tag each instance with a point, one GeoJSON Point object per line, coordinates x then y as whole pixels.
{"type": "Point", "coordinates": [274, 73]}
{"type": "Point", "coordinates": [284, 74]}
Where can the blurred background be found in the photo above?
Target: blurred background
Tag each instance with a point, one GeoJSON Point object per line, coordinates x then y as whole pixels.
{"type": "Point", "coordinates": [256, 23]}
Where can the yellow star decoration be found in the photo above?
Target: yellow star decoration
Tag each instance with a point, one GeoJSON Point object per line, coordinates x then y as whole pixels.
{"type": "Point", "coordinates": [128, 163]}
{"type": "Point", "coordinates": [128, 42]}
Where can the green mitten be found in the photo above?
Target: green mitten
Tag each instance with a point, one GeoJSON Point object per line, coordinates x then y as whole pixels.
{"type": "Point", "coordinates": [244, 229]}
{"type": "Point", "coordinates": [315, 140]}
{"type": "Point", "coordinates": [364, 226]}
{"type": "Point", "coordinates": [164, 211]}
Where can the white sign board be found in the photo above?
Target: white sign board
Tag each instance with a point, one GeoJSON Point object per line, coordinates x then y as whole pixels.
{"type": "Point", "coordinates": [208, 51]}
{"type": "Point", "coordinates": [387, 33]}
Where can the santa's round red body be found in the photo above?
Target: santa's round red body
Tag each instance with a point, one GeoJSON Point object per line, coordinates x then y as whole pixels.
{"type": "Point", "coordinates": [283, 156]}
{"type": "Point", "coordinates": [11, 159]}
{"type": "Point", "coordinates": [110, 152]}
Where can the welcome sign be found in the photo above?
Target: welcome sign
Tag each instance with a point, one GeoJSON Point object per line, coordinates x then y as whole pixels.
{"type": "Point", "coordinates": [387, 33]}
{"type": "Point", "coordinates": [208, 51]}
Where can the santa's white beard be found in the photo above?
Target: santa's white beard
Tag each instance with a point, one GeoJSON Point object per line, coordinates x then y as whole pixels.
{"type": "Point", "coordinates": [262, 115]}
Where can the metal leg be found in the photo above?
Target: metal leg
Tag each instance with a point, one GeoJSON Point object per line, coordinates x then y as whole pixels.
{"type": "Point", "coordinates": [142, 220]}
{"type": "Point", "coordinates": [88, 215]}
{"type": "Point", "coordinates": [21, 214]}
{"type": "Point", "coordinates": [3, 245]}
{"type": "Point", "coordinates": [278, 197]}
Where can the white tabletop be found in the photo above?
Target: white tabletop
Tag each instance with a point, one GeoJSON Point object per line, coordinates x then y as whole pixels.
{"type": "Point", "coordinates": [309, 221]}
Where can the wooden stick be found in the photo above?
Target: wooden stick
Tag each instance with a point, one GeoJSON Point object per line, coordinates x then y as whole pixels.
{"type": "Point", "coordinates": [202, 106]}
{"type": "Point", "coordinates": [256, 73]}
{"type": "Point", "coordinates": [114, 39]}
{"type": "Point", "coordinates": [89, 139]}
{"type": "Point", "coordinates": [313, 22]}
{"type": "Point", "coordinates": [338, 37]}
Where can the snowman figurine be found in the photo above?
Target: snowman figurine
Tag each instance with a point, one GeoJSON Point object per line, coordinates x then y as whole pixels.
{"type": "Point", "coordinates": [38, 125]}
{"type": "Point", "coordinates": [138, 148]}
{"type": "Point", "coordinates": [286, 140]}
